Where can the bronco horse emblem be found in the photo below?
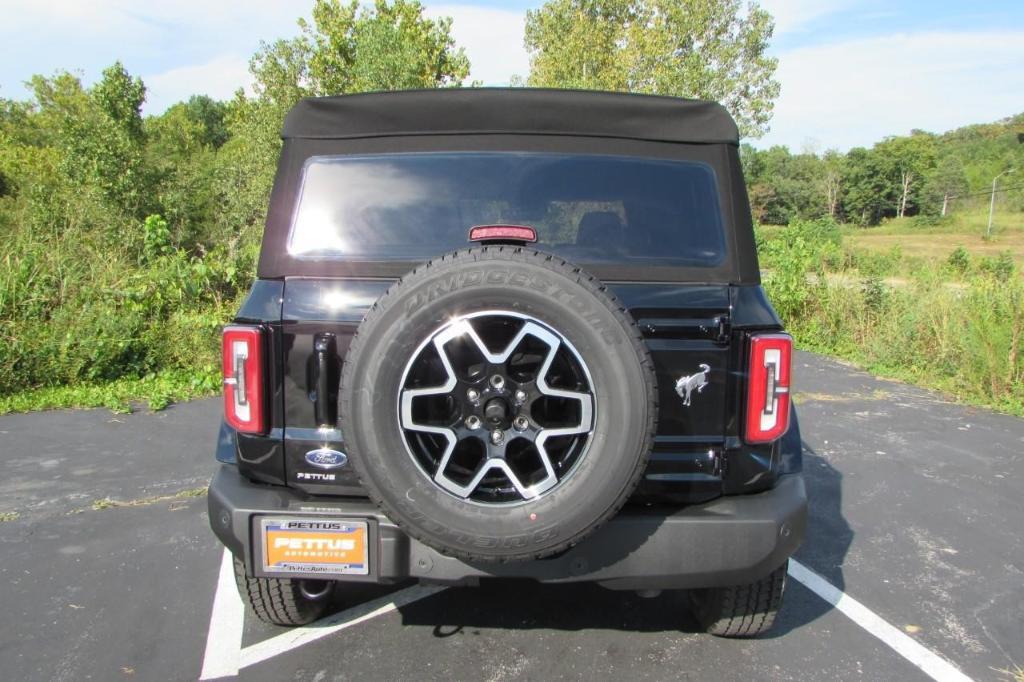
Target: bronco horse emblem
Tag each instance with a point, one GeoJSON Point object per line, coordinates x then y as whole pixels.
{"type": "Point", "coordinates": [686, 385]}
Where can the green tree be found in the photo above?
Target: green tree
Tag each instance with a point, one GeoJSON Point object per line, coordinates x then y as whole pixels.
{"type": "Point", "coordinates": [830, 181]}
{"type": "Point", "coordinates": [181, 147]}
{"type": "Point", "coordinates": [907, 160]}
{"type": "Point", "coordinates": [389, 47]}
{"type": "Point", "coordinates": [707, 49]}
{"type": "Point", "coordinates": [210, 114]}
{"type": "Point", "coordinates": [868, 193]}
{"type": "Point", "coordinates": [784, 187]}
{"type": "Point", "coordinates": [120, 97]}
{"type": "Point", "coordinates": [946, 182]}
{"type": "Point", "coordinates": [345, 48]}
{"type": "Point", "coordinates": [99, 134]}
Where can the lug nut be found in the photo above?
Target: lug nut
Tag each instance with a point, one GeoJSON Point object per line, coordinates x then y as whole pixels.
{"type": "Point", "coordinates": [520, 396]}
{"type": "Point", "coordinates": [521, 423]}
{"type": "Point", "coordinates": [497, 381]}
{"type": "Point", "coordinates": [497, 436]}
{"type": "Point", "coordinates": [473, 422]}
{"type": "Point", "coordinates": [473, 395]}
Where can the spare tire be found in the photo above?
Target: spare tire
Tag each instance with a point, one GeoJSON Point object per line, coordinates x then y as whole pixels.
{"type": "Point", "coordinates": [498, 404]}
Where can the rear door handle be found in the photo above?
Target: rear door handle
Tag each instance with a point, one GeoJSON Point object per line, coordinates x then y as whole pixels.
{"type": "Point", "coordinates": [323, 349]}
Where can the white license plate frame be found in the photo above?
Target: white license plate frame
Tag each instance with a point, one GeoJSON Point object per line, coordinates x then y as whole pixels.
{"type": "Point", "coordinates": [314, 546]}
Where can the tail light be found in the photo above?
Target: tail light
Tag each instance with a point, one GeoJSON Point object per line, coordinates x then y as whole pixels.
{"type": "Point", "coordinates": [768, 388]}
{"type": "Point", "coordinates": [243, 378]}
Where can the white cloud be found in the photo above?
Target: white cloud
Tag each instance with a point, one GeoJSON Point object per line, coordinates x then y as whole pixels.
{"type": "Point", "coordinates": [121, 17]}
{"type": "Point", "coordinates": [493, 39]}
{"type": "Point", "coordinates": [796, 15]}
{"type": "Point", "coordinates": [856, 92]}
{"type": "Point", "coordinates": [158, 38]}
{"type": "Point", "coordinates": [219, 78]}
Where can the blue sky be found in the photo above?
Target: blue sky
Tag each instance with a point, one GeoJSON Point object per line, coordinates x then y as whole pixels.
{"type": "Point", "coordinates": [852, 71]}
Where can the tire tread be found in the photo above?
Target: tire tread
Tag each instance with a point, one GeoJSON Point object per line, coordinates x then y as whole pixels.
{"type": "Point", "coordinates": [741, 611]}
{"type": "Point", "coordinates": [277, 600]}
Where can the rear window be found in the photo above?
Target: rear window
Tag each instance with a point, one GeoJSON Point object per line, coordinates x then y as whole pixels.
{"type": "Point", "coordinates": [586, 208]}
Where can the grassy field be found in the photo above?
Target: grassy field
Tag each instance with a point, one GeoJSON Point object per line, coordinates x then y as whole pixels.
{"type": "Point", "coordinates": [936, 242]}
{"type": "Point", "coordinates": [933, 308]}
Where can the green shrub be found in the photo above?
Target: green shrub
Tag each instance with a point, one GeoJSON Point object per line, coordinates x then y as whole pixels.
{"type": "Point", "coordinates": [878, 263]}
{"type": "Point", "coordinates": [875, 293]}
{"type": "Point", "coordinates": [818, 232]}
{"type": "Point", "coordinates": [820, 241]}
{"type": "Point", "coordinates": [929, 220]}
{"type": "Point", "coordinates": [1002, 267]}
{"type": "Point", "coordinates": [959, 260]}
{"type": "Point", "coordinates": [156, 238]}
{"type": "Point", "coordinates": [77, 312]}
{"type": "Point", "coordinates": [787, 280]}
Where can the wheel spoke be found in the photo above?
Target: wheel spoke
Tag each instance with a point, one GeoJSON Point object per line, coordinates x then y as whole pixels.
{"type": "Point", "coordinates": [485, 468]}
{"type": "Point", "coordinates": [409, 395]}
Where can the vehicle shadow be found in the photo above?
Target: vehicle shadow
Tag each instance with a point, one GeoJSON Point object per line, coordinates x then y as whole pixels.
{"type": "Point", "coordinates": [524, 605]}
{"type": "Point", "coordinates": [825, 546]}
{"type": "Point", "coordinates": [570, 607]}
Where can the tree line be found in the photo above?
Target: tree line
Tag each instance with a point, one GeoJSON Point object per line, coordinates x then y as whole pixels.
{"type": "Point", "coordinates": [128, 239]}
{"type": "Point", "coordinates": [921, 174]}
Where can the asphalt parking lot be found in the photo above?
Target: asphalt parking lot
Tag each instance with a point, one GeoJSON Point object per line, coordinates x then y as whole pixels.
{"type": "Point", "coordinates": [110, 571]}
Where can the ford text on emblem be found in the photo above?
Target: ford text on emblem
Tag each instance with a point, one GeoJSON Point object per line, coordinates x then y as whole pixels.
{"type": "Point", "coordinates": [325, 458]}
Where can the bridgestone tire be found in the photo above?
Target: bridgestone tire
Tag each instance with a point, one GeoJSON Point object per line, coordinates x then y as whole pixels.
{"type": "Point", "coordinates": [741, 610]}
{"type": "Point", "coordinates": [279, 601]}
{"type": "Point", "coordinates": [561, 296]}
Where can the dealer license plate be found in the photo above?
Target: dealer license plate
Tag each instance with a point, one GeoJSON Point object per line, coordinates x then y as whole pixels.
{"type": "Point", "coordinates": [314, 546]}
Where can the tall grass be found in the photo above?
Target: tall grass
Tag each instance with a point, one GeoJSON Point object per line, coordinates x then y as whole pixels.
{"type": "Point", "coordinates": [958, 327]}
{"type": "Point", "coordinates": [84, 313]}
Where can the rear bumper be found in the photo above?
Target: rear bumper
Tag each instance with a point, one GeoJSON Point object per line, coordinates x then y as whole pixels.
{"type": "Point", "coordinates": [729, 541]}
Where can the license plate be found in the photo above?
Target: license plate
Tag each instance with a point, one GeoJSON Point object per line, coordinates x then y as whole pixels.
{"type": "Point", "coordinates": [315, 546]}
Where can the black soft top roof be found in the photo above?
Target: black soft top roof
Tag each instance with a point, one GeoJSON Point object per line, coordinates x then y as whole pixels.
{"type": "Point", "coordinates": [468, 111]}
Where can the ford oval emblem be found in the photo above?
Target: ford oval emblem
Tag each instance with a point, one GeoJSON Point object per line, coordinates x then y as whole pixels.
{"type": "Point", "coordinates": [325, 458]}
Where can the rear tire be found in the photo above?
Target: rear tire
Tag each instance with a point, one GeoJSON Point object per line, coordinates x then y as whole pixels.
{"type": "Point", "coordinates": [283, 601]}
{"type": "Point", "coordinates": [741, 610]}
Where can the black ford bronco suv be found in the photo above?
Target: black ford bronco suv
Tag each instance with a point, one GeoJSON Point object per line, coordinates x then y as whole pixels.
{"type": "Point", "coordinates": [509, 333]}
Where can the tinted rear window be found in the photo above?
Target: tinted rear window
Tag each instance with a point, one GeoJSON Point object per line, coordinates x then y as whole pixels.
{"type": "Point", "coordinates": [588, 209]}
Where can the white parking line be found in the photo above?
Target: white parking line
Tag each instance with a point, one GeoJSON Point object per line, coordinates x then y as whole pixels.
{"type": "Point", "coordinates": [224, 653]}
{"type": "Point", "coordinates": [224, 638]}
{"type": "Point", "coordinates": [325, 627]}
{"type": "Point", "coordinates": [927, 660]}
{"type": "Point", "coordinates": [225, 656]}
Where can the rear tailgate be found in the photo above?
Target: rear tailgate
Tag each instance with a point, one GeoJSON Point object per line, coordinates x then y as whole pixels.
{"type": "Point", "coordinates": [319, 319]}
{"type": "Point", "coordinates": [687, 330]}
{"type": "Point", "coordinates": [682, 325]}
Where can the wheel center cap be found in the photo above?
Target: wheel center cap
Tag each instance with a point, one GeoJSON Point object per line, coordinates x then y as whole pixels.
{"type": "Point", "coordinates": [496, 412]}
